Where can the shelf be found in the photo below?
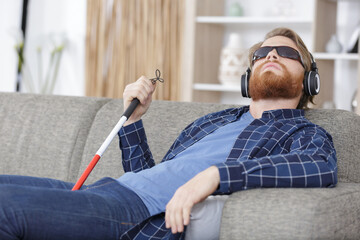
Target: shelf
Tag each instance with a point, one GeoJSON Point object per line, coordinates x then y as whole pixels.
{"type": "Point", "coordinates": [209, 22]}
{"type": "Point", "coordinates": [216, 87]}
{"type": "Point", "coordinates": [343, 0]}
{"type": "Point", "coordinates": [262, 20]}
{"type": "Point", "coordinates": [336, 56]}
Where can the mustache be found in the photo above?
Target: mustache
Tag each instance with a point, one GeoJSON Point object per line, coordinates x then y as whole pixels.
{"type": "Point", "coordinates": [273, 61]}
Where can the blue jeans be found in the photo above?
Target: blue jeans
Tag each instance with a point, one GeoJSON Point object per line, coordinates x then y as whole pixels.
{"type": "Point", "coordinates": [40, 208]}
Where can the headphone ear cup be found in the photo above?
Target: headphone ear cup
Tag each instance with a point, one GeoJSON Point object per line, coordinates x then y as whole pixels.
{"type": "Point", "coordinates": [311, 83]}
{"type": "Point", "coordinates": [306, 83]}
{"type": "Point", "coordinates": [244, 83]}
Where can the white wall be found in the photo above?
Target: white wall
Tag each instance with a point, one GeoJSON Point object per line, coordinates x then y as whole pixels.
{"type": "Point", "coordinates": [52, 17]}
{"type": "Point", "coordinates": [10, 16]}
{"type": "Point", "coordinates": [46, 19]}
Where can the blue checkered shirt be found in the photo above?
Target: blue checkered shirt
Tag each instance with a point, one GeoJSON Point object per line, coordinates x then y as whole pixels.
{"type": "Point", "coordinates": [281, 149]}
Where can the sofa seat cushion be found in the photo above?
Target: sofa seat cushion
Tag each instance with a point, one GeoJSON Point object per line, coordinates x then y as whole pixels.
{"type": "Point", "coordinates": [293, 213]}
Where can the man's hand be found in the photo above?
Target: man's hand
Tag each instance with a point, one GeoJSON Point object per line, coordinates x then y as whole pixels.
{"type": "Point", "coordinates": [194, 191]}
{"type": "Point", "coordinates": [142, 89]}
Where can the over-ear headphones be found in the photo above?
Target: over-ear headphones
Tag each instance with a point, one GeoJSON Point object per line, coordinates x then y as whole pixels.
{"type": "Point", "coordinates": [311, 81]}
{"type": "Point", "coordinates": [244, 83]}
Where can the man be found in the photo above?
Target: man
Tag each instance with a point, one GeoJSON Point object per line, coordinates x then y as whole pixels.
{"type": "Point", "coordinates": [266, 144]}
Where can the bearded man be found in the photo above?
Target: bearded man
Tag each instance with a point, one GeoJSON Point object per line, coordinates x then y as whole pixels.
{"type": "Point", "coordinates": [267, 144]}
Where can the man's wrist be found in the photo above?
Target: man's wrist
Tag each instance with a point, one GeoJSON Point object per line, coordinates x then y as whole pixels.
{"type": "Point", "coordinates": [215, 176]}
{"type": "Point", "coordinates": [131, 121]}
{"type": "Point", "coordinates": [132, 134]}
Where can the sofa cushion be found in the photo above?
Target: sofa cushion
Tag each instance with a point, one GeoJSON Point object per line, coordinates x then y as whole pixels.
{"type": "Point", "coordinates": [293, 213]}
{"type": "Point", "coordinates": [165, 120]}
{"type": "Point", "coordinates": [44, 135]}
{"type": "Point", "coordinates": [344, 127]}
{"type": "Point", "coordinates": [163, 123]}
{"type": "Point", "coordinates": [110, 163]}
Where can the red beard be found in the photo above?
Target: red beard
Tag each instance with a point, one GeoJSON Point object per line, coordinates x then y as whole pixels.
{"type": "Point", "coordinates": [269, 85]}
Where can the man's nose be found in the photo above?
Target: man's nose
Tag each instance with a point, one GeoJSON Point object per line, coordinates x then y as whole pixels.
{"type": "Point", "coordinates": [272, 55]}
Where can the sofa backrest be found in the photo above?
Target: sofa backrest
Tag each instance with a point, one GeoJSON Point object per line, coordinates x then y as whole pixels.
{"type": "Point", "coordinates": [163, 122]}
{"type": "Point", "coordinates": [110, 163]}
{"type": "Point", "coordinates": [57, 136]}
{"type": "Point", "coordinates": [344, 127]}
{"type": "Point", "coordinates": [44, 135]}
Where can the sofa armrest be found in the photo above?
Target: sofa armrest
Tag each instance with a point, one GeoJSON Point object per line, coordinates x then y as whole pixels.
{"type": "Point", "coordinates": [293, 213]}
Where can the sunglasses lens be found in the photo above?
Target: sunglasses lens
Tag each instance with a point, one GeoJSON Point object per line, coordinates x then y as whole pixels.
{"type": "Point", "coordinates": [262, 52]}
{"type": "Point", "coordinates": [288, 52]}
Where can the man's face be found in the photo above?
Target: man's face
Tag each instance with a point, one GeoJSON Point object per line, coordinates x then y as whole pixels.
{"type": "Point", "coordinates": [274, 76]}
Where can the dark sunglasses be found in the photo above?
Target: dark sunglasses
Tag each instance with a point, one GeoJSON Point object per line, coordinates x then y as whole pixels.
{"type": "Point", "coordinates": [283, 51]}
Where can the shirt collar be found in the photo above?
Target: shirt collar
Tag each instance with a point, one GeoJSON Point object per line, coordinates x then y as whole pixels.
{"type": "Point", "coordinates": [271, 114]}
{"type": "Point", "coordinates": [283, 113]}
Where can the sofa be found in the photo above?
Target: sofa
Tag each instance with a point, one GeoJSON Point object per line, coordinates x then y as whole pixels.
{"type": "Point", "coordinates": [57, 136]}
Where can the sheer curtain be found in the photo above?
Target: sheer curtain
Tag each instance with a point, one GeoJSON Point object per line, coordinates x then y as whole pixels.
{"type": "Point", "coordinates": [129, 38]}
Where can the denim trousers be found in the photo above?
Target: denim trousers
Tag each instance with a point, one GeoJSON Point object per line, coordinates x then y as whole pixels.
{"type": "Point", "coordinates": [42, 208]}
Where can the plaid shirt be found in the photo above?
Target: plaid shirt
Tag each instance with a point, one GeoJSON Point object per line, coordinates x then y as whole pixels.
{"type": "Point", "coordinates": [281, 149]}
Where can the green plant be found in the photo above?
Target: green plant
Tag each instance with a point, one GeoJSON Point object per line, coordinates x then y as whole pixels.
{"type": "Point", "coordinates": [44, 83]}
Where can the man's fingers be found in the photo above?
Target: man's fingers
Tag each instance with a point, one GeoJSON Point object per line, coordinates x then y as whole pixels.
{"type": "Point", "coordinates": [172, 216]}
{"type": "Point", "coordinates": [143, 85]}
{"type": "Point", "coordinates": [167, 217]}
{"type": "Point", "coordinates": [173, 222]}
{"type": "Point", "coordinates": [177, 216]}
{"type": "Point", "coordinates": [147, 84]}
{"type": "Point", "coordinates": [179, 224]}
{"type": "Point", "coordinates": [138, 92]}
{"type": "Point", "coordinates": [186, 216]}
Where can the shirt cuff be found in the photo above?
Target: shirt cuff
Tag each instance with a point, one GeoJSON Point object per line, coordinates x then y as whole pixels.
{"type": "Point", "coordinates": [231, 177]}
{"type": "Point", "coordinates": [132, 134]}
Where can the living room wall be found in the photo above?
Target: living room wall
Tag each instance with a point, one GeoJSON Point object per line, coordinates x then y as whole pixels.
{"type": "Point", "coordinates": [9, 20]}
{"type": "Point", "coordinates": [67, 19]}
{"type": "Point", "coordinates": [50, 24]}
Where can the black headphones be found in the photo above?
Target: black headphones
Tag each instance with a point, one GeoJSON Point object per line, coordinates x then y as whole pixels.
{"type": "Point", "coordinates": [311, 81]}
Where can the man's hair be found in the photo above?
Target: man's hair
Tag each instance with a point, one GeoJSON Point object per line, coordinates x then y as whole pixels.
{"type": "Point", "coordinates": [304, 52]}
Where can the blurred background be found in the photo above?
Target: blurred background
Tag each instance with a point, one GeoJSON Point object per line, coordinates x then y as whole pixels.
{"type": "Point", "coordinates": [96, 47]}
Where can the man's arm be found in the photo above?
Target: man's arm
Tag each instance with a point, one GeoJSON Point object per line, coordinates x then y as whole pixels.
{"type": "Point", "coordinates": [194, 191]}
{"type": "Point", "coordinates": [135, 151]}
{"type": "Point", "coordinates": [311, 162]}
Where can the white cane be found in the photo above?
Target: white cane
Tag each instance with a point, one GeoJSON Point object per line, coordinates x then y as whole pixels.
{"type": "Point", "coordinates": [111, 136]}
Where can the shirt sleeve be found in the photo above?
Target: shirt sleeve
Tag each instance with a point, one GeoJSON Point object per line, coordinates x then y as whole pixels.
{"type": "Point", "coordinates": [135, 151]}
{"type": "Point", "coordinates": [310, 162]}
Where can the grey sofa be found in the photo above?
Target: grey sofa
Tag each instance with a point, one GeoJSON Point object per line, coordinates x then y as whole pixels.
{"type": "Point", "coordinates": [57, 136]}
